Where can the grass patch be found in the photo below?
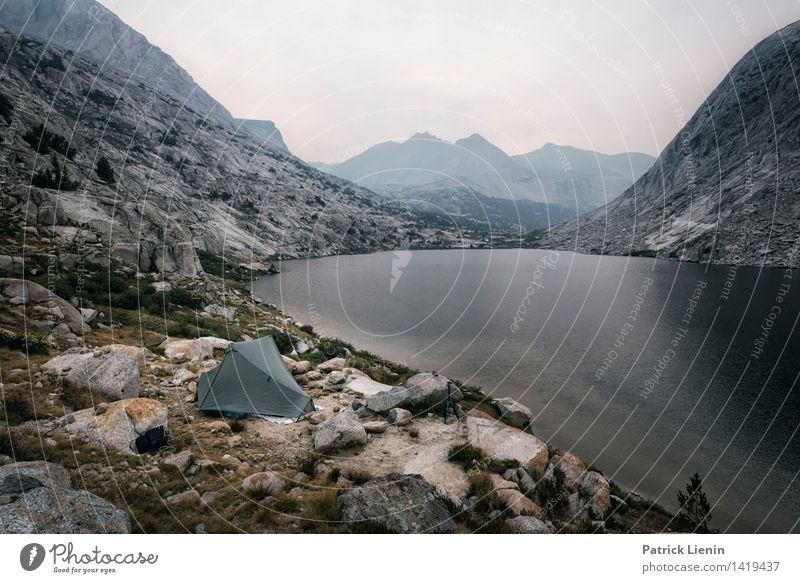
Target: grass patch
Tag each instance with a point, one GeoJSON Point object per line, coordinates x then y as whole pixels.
{"type": "Point", "coordinates": [76, 398]}
{"type": "Point", "coordinates": [359, 476]}
{"type": "Point", "coordinates": [319, 510]}
{"type": "Point", "coordinates": [465, 454]}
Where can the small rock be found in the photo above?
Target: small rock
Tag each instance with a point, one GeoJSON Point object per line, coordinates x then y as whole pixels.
{"type": "Point", "coordinates": [499, 483]}
{"type": "Point", "coordinates": [189, 496]}
{"type": "Point", "coordinates": [205, 464]}
{"type": "Point", "coordinates": [301, 367]}
{"type": "Point", "coordinates": [400, 417]}
{"type": "Point", "coordinates": [300, 478]}
{"type": "Point", "coordinates": [88, 315]}
{"type": "Point", "coordinates": [263, 484]}
{"type": "Point", "coordinates": [529, 525]}
{"type": "Point", "coordinates": [181, 460]}
{"type": "Point", "coordinates": [375, 426]}
{"type": "Point", "coordinates": [517, 502]}
{"type": "Point", "coordinates": [218, 426]}
{"type": "Point", "coordinates": [207, 498]}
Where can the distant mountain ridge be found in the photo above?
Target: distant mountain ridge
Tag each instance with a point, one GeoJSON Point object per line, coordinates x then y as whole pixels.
{"type": "Point", "coordinates": [560, 175]}
{"type": "Point", "coordinates": [727, 188]}
{"type": "Point", "coordinates": [592, 177]}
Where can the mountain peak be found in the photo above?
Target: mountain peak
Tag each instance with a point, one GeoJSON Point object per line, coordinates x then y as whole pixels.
{"type": "Point", "coordinates": [424, 136]}
{"type": "Point", "coordinates": [473, 139]}
{"type": "Point", "coordinates": [479, 145]}
{"type": "Point", "coordinates": [265, 131]}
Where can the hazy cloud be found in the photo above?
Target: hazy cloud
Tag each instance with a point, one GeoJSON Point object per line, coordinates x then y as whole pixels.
{"type": "Point", "coordinates": [340, 76]}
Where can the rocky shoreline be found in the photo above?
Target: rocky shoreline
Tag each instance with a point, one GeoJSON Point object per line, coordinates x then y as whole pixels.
{"type": "Point", "coordinates": [375, 457]}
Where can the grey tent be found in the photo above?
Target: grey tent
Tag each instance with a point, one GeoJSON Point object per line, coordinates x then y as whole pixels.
{"type": "Point", "coordinates": [252, 379]}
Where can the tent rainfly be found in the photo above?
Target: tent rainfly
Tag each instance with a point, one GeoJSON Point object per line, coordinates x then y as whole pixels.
{"type": "Point", "coordinates": [252, 379]}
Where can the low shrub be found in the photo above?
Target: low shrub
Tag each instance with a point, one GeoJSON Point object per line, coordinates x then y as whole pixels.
{"type": "Point", "coordinates": [28, 343]}
{"type": "Point", "coordinates": [481, 488]}
{"type": "Point", "coordinates": [16, 405]}
{"type": "Point", "coordinates": [358, 476]}
{"type": "Point", "coordinates": [282, 341]}
{"type": "Point", "coordinates": [553, 494]}
{"type": "Point", "coordinates": [466, 454]}
{"type": "Point", "coordinates": [76, 399]}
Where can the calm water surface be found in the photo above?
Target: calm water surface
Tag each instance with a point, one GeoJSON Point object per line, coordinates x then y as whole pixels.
{"type": "Point", "coordinates": [649, 370]}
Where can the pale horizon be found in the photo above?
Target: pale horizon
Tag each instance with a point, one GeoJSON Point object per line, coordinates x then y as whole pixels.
{"type": "Point", "coordinates": [337, 78]}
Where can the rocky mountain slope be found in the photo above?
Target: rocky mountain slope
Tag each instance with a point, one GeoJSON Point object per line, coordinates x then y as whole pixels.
{"type": "Point", "coordinates": [181, 181]}
{"type": "Point", "coordinates": [585, 178]}
{"type": "Point", "coordinates": [93, 31]}
{"type": "Point", "coordinates": [725, 190]}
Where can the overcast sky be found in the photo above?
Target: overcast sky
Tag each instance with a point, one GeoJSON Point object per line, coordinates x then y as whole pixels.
{"type": "Point", "coordinates": [339, 76]}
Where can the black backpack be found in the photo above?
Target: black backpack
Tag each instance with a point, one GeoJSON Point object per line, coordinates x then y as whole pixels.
{"type": "Point", "coordinates": [155, 438]}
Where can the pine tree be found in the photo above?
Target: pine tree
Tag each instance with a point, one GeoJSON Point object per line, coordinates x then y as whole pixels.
{"type": "Point", "coordinates": [104, 171]}
{"type": "Point", "coordinates": [56, 177]}
{"type": "Point", "coordinates": [695, 510]}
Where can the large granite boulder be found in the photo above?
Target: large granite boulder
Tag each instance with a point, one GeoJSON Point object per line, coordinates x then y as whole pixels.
{"type": "Point", "coordinates": [401, 503]}
{"type": "Point", "coordinates": [36, 498]}
{"type": "Point", "coordinates": [139, 354]}
{"type": "Point", "coordinates": [228, 313]}
{"type": "Point", "coordinates": [422, 392]}
{"type": "Point", "coordinates": [365, 385]}
{"type": "Point", "coordinates": [115, 376]}
{"type": "Point", "coordinates": [15, 476]}
{"type": "Point", "coordinates": [117, 425]}
{"type": "Point", "coordinates": [595, 489]}
{"type": "Point", "coordinates": [501, 442]}
{"type": "Point", "coordinates": [572, 467]}
{"type": "Point", "coordinates": [334, 364]}
{"type": "Point", "coordinates": [183, 349]}
{"type": "Point", "coordinates": [59, 310]}
{"type": "Point", "coordinates": [339, 432]}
